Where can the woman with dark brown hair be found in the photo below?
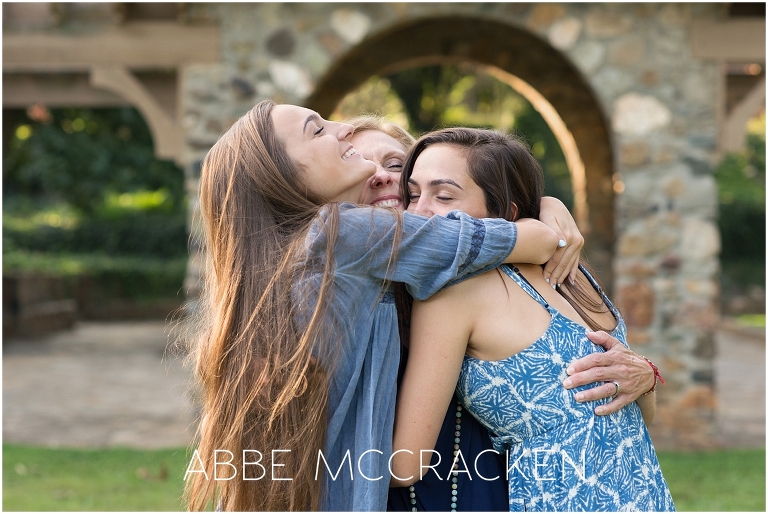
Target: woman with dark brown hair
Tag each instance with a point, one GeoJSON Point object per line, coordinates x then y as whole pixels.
{"type": "Point", "coordinates": [504, 341]}
{"type": "Point", "coordinates": [298, 344]}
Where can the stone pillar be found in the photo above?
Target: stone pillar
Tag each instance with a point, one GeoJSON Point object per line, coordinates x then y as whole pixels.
{"type": "Point", "coordinates": [663, 114]}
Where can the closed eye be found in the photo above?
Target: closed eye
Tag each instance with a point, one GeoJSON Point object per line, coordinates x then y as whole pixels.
{"type": "Point", "coordinates": [319, 130]}
{"type": "Point", "coordinates": [394, 165]}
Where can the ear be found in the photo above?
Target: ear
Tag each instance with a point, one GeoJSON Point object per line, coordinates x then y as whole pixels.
{"type": "Point", "coordinates": [514, 211]}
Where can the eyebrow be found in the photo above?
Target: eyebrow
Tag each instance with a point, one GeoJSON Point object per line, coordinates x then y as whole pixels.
{"type": "Point", "coordinates": [392, 153]}
{"type": "Point", "coordinates": [312, 117]}
{"type": "Point", "coordinates": [437, 182]}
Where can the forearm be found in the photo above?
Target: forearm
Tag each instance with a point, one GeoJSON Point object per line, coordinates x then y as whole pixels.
{"type": "Point", "coordinates": [535, 243]}
{"type": "Point", "coordinates": [647, 406]}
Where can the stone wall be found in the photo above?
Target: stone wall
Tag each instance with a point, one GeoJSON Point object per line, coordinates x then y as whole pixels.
{"type": "Point", "coordinates": [659, 104]}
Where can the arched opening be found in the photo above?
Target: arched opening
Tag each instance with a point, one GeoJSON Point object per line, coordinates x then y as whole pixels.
{"type": "Point", "coordinates": [533, 67]}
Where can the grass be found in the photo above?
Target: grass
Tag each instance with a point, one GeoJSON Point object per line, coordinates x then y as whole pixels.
{"type": "Point", "coordinates": [43, 479]}
{"type": "Point", "coordinates": [752, 320]}
{"type": "Point", "coordinates": [723, 480]}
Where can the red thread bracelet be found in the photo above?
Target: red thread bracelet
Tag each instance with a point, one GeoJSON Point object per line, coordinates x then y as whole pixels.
{"type": "Point", "coordinates": [656, 376]}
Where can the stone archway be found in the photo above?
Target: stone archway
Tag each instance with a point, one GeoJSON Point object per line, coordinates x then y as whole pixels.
{"type": "Point", "coordinates": [516, 52]}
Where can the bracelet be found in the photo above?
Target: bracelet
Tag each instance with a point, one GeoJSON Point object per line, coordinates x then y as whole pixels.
{"type": "Point", "coordinates": [656, 376]}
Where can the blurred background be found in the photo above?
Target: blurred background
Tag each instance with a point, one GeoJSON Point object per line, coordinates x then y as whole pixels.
{"type": "Point", "coordinates": [648, 120]}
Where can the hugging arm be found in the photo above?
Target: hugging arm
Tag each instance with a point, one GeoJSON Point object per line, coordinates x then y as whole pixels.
{"type": "Point", "coordinates": [431, 252]}
{"type": "Point", "coordinates": [619, 364]}
{"type": "Point", "coordinates": [536, 243]}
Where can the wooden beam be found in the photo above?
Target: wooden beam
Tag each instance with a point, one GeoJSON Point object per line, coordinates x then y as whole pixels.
{"type": "Point", "coordinates": [20, 90]}
{"type": "Point", "coordinates": [137, 45]}
{"type": "Point", "coordinates": [166, 132]}
{"type": "Point", "coordinates": [733, 40]}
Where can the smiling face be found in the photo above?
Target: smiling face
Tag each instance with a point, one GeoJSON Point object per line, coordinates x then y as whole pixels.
{"type": "Point", "coordinates": [383, 188]}
{"type": "Point", "coordinates": [335, 172]}
{"type": "Point", "coordinates": [440, 182]}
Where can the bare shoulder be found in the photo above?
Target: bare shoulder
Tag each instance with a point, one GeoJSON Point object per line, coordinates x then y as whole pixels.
{"type": "Point", "coordinates": [468, 295]}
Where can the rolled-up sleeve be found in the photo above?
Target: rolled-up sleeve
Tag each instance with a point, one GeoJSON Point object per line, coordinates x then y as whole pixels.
{"type": "Point", "coordinates": [431, 252]}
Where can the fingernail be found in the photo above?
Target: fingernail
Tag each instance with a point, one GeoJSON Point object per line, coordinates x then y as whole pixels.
{"type": "Point", "coordinates": [568, 382]}
{"type": "Point", "coordinates": [547, 280]}
{"type": "Point", "coordinates": [570, 371]}
{"type": "Point", "coordinates": [579, 397]}
{"type": "Point", "coordinates": [554, 286]}
{"type": "Point", "coordinates": [599, 411]}
{"type": "Point", "coordinates": [561, 243]}
{"type": "Point", "coordinates": [573, 282]}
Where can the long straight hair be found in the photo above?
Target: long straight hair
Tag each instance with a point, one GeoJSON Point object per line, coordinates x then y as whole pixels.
{"type": "Point", "coordinates": [262, 385]}
{"type": "Point", "coordinates": [503, 167]}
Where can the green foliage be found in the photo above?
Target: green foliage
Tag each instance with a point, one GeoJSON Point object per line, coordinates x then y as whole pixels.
{"type": "Point", "coordinates": [133, 233]}
{"type": "Point", "coordinates": [114, 277]}
{"type": "Point", "coordinates": [43, 479]}
{"type": "Point", "coordinates": [431, 97]}
{"type": "Point", "coordinates": [741, 186]}
{"type": "Point", "coordinates": [723, 480]}
{"type": "Point", "coordinates": [374, 96]}
{"type": "Point", "coordinates": [80, 155]}
{"type": "Point", "coordinates": [84, 196]}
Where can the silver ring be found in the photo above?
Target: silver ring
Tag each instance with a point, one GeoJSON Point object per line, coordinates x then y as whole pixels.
{"type": "Point", "coordinates": [561, 243]}
{"type": "Point", "coordinates": [618, 388]}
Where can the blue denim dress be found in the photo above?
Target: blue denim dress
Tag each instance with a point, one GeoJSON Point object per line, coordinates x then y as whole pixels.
{"type": "Point", "coordinates": [432, 253]}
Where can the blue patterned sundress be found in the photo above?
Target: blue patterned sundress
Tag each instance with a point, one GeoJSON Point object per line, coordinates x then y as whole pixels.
{"type": "Point", "coordinates": [561, 456]}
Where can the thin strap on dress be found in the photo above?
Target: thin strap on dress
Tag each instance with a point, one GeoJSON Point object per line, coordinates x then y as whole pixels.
{"type": "Point", "coordinates": [514, 273]}
{"type": "Point", "coordinates": [600, 291]}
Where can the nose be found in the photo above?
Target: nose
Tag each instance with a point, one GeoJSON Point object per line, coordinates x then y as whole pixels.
{"type": "Point", "coordinates": [381, 179]}
{"type": "Point", "coordinates": [422, 208]}
{"type": "Point", "coordinates": [345, 131]}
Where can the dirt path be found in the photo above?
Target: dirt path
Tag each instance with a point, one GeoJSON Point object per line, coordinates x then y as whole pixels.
{"type": "Point", "coordinates": [111, 384]}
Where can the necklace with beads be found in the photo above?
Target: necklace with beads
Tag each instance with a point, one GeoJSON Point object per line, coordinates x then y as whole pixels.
{"type": "Point", "coordinates": [454, 470]}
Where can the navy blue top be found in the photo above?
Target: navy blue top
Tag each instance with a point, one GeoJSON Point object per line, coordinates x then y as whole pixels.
{"type": "Point", "coordinates": [433, 492]}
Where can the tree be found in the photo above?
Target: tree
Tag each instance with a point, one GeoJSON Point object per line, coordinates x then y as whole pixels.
{"type": "Point", "coordinates": [80, 156]}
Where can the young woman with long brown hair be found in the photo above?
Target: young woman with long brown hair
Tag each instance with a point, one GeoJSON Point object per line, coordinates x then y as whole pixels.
{"type": "Point", "coordinates": [298, 348]}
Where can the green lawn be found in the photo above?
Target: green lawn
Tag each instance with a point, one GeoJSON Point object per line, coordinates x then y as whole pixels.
{"type": "Point", "coordinates": [44, 479]}
{"type": "Point", "coordinates": [725, 480]}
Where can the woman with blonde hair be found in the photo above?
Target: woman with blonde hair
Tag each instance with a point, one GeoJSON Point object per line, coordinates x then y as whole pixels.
{"type": "Point", "coordinates": [298, 346]}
